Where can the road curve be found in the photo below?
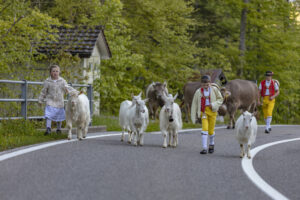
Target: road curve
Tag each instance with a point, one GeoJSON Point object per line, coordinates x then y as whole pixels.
{"type": "Point", "coordinates": [105, 168]}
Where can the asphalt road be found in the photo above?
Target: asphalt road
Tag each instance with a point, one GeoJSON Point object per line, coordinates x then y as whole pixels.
{"type": "Point", "coordinates": [105, 168]}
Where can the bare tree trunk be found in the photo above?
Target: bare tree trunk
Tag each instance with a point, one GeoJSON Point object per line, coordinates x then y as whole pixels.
{"type": "Point", "coordinates": [242, 46]}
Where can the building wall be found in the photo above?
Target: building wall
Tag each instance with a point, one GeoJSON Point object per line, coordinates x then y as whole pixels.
{"type": "Point", "coordinates": [93, 72]}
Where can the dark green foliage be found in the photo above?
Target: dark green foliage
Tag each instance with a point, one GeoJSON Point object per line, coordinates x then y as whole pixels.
{"type": "Point", "coordinates": [163, 40]}
{"type": "Point", "coordinates": [272, 43]}
{"type": "Point", "coordinates": [21, 27]}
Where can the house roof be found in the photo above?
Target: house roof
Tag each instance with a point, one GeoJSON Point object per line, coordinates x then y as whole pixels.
{"type": "Point", "coordinates": [79, 40]}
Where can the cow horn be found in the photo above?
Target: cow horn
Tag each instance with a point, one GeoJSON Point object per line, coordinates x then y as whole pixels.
{"type": "Point", "coordinates": [175, 96]}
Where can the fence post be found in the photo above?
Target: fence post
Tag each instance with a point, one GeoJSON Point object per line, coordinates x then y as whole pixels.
{"type": "Point", "coordinates": [24, 87]}
{"type": "Point", "coordinates": [90, 96]}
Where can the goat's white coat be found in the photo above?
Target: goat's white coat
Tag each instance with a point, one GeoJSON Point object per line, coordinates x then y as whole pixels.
{"type": "Point", "coordinates": [123, 116]}
{"type": "Point", "coordinates": [246, 130]}
{"type": "Point", "coordinates": [138, 116]}
{"type": "Point", "coordinates": [169, 111]}
{"type": "Point", "coordinates": [78, 112]}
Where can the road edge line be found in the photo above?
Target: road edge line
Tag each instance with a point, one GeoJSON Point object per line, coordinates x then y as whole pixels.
{"type": "Point", "coordinates": [247, 165]}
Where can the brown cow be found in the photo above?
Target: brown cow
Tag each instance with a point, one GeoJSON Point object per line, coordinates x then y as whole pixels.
{"type": "Point", "coordinates": [189, 90]}
{"type": "Point", "coordinates": [156, 92]}
{"type": "Point", "coordinates": [238, 94]}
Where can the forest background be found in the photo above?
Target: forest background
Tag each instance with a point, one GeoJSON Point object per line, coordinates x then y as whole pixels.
{"type": "Point", "coordinates": [163, 40]}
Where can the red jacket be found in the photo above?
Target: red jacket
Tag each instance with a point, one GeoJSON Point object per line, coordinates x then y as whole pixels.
{"type": "Point", "coordinates": [264, 88]}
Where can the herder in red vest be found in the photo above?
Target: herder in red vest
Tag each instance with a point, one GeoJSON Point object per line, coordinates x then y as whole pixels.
{"type": "Point", "coordinates": [206, 103]}
{"type": "Point", "coordinates": [269, 90]}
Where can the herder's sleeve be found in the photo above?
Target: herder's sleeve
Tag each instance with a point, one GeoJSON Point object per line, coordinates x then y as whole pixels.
{"type": "Point", "coordinates": [219, 100]}
{"type": "Point", "coordinates": [43, 93]}
{"type": "Point", "coordinates": [194, 107]}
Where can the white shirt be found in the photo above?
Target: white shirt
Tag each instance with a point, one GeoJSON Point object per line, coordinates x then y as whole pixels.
{"type": "Point", "coordinates": [206, 95]}
{"type": "Point", "coordinates": [268, 83]}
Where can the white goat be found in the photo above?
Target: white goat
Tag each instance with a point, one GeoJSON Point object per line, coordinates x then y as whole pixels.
{"type": "Point", "coordinates": [123, 116]}
{"type": "Point", "coordinates": [246, 129]}
{"type": "Point", "coordinates": [170, 121]}
{"type": "Point", "coordinates": [138, 119]}
{"type": "Point", "coordinates": [78, 112]}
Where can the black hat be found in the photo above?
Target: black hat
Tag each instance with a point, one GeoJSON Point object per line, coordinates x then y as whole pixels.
{"type": "Point", "coordinates": [269, 73]}
{"type": "Point", "coordinates": [205, 79]}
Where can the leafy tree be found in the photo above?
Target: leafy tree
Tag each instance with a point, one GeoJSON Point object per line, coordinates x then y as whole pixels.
{"type": "Point", "coordinates": [124, 73]}
{"type": "Point", "coordinates": [273, 44]}
{"type": "Point", "coordinates": [160, 34]}
{"type": "Point", "coordinates": [21, 27]}
{"type": "Point", "coordinates": [158, 40]}
{"type": "Point", "coordinates": [217, 34]}
{"type": "Point", "coordinates": [74, 11]}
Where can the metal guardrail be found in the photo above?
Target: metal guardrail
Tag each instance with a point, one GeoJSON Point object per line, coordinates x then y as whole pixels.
{"type": "Point", "coordinates": [24, 100]}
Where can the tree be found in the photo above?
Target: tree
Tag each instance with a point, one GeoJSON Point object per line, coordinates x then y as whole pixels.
{"type": "Point", "coordinates": [160, 33]}
{"type": "Point", "coordinates": [216, 34]}
{"type": "Point", "coordinates": [242, 46]}
{"type": "Point", "coordinates": [21, 27]}
{"type": "Point", "coordinates": [270, 41]}
{"type": "Point", "coordinates": [273, 44]}
{"type": "Point", "coordinates": [124, 74]}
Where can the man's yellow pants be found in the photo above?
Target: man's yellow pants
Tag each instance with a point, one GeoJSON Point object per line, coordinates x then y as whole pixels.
{"type": "Point", "coordinates": [209, 121]}
{"type": "Point", "coordinates": [268, 106]}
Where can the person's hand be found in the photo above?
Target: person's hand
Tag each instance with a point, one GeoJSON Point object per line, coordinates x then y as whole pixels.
{"type": "Point", "coordinates": [258, 103]}
{"type": "Point", "coordinates": [271, 97]}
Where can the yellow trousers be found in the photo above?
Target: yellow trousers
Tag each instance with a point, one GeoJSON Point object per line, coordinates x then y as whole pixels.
{"type": "Point", "coordinates": [209, 121]}
{"type": "Point", "coordinates": [268, 106]}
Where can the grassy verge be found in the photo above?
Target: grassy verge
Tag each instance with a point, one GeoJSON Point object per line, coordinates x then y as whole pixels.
{"type": "Point", "coordinates": [17, 133]}
{"type": "Point", "coordinates": [112, 123]}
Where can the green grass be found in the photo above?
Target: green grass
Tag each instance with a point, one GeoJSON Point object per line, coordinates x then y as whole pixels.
{"type": "Point", "coordinates": [17, 133]}
{"type": "Point", "coordinates": [112, 123]}
{"type": "Point", "coordinates": [11, 142]}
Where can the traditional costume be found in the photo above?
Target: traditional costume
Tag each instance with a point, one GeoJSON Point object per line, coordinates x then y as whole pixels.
{"type": "Point", "coordinates": [200, 109]}
{"type": "Point", "coordinates": [268, 89]}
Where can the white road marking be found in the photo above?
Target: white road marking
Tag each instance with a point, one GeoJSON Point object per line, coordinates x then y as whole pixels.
{"type": "Point", "coordinates": [50, 144]}
{"type": "Point", "coordinates": [246, 163]}
{"type": "Point", "coordinates": [43, 146]}
{"type": "Point", "coordinates": [255, 178]}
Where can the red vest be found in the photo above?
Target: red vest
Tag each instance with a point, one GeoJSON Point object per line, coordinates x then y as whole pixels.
{"type": "Point", "coordinates": [264, 88]}
{"type": "Point", "coordinates": [203, 100]}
